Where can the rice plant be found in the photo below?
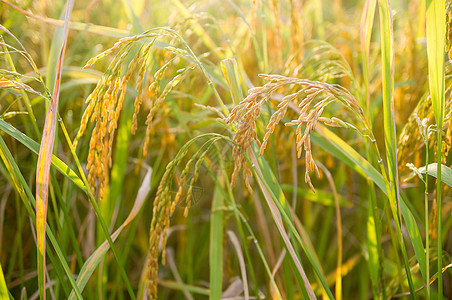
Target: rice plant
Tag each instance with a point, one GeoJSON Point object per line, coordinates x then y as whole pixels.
{"type": "Point", "coordinates": [225, 149]}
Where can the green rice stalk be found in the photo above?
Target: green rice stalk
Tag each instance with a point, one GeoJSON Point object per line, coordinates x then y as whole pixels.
{"type": "Point", "coordinates": [387, 50]}
{"type": "Point", "coordinates": [27, 197]}
{"type": "Point", "coordinates": [216, 246]}
{"type": "Point", "coordinates": [436, 34]}
{"type": "Point", "coordinates": [3, 289]}
{"type": "Point", "coordinates": [373, 220]}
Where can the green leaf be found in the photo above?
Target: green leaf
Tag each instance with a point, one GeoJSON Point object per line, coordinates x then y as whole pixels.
{"type": "Point", "coordinates": [216, 246]}
{"type": "Point", "coordinates": [373, 223]}
{"type": "Point", "coordinates": [45, 159]}
{"type": "Point", "coordinates": [432, 170]}
{"type": "Point", "coordinates": [278, 207]}
{"type": "Point", "coordinates": [343, 151]}
{"type": "Point", "coordinates": [90, 265]}
{"type": "Point", "coordinates": [230, 71]}
{"type": "Point", "coordinates": [33, 146]}
{"type": "Point", "coordinates": [339, 148]}
{"type": "Point", "coordinates": [436, 34]}
{"type": "Point", "coordinates": [387, 53]}
{"type": "Point", "coordinates": [27, 197]}
{"type": "Point", "coordinates": [174, 285]}
{"type": "Point", "coordinates": [320, 196]}
{"type": "Point", "coordinates": [3, 288]}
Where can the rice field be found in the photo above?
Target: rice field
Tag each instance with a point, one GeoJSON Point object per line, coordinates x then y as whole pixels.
{"type": "Point", "coordinates": [181, 149]}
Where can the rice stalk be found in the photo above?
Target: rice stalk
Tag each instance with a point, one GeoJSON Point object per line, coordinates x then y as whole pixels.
{"type": "Point", "coordinates": [425, 133]}
{"type": "Point", "coordinates": [375, 260]}
{"type": "Point", "coordinates": [29, 202]}
{"type": "Point", "coordinates": [436, 36]}
{"type": "Point", "coordinates": [44, 162]}
{"type": "Point", "coordinates": [216, 250]}
{"type": "Point", "coordinates": [387, 48]}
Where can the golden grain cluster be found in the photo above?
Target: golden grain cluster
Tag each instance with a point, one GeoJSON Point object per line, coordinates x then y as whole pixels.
{"type": "Point", "coordinates": [104, 104]}
{"type": "Point", "coordinates": [309, 114]}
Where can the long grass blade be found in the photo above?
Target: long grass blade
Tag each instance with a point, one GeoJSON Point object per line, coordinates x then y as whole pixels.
{"type": "Point", "coordinates": [216, 246]}
{"type": "Point", "coordinates": [276, 214]}
{"type": "Point", "coordinates": [27, 197]}
{"type": "Point", "coordinates": [241, 218]}
{"type": "Point", "coordinates": [436, 34]}
{"type": "Point", "coordinates": [44, 161]}
{"type": "Point", "coordinates": [3, 288]}
{"type": "Point", "coordinates": [184, 287]}
{"type": "Point", "coordinates": [373, 226]}
{"type": "Point", "coordinates": [296, 231]}
{"type": "Point", "coordinates": [343, 151]}
{"type": "Point", "coordinates": [95, 258]}
{"type": "Point", "coordinates": [230, 72]}
{"type": "Point", "coordinates": [34, 146]}
{"type": "Point", "coordinates": [236, 243]}
{"type": "Point", "coordinates": [432, 170]}
{"type": "Point", "coordinates": [387, 49]}
{"type": "Point", "coordinates": [98, 212]}
{"type": "Point", "coordinates": [387, 53]}
{"type": "Point", "coordinates": [367, 21]}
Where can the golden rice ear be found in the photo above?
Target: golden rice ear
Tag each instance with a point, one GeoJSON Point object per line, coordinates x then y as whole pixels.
{"type": "Point", "coordinates": [310, 113]}
{"type": "Point", "coordinates": [159, 223]}
{"type": "Point", "coordinates": [164, 207]}
{"type": "Point", "coordinates": [411, 138]}
{"type": "Point", "coordinates": [106, 101]}
{"type": "Point", "coordinates": [307, 179]}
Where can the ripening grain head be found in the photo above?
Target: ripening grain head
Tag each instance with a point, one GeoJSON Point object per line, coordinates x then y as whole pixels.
{"type": "Point", "coordinates": [310, 100]}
